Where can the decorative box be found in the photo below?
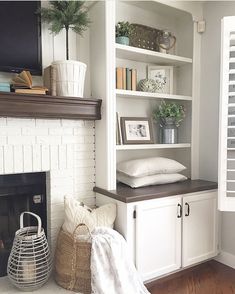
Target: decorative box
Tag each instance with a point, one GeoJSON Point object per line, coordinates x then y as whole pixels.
{"type": "Point", "coordinates": [5, 87]}
{"type": "Point", "coordinates": [144, 37]}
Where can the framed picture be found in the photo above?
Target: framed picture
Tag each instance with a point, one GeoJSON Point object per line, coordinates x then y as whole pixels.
{"type": "Point", "coordinates": [118, 131]}
{"type": "Point", "coordinates": [163, 76]}
{"type": "Point", "coordinates": [136, 130]}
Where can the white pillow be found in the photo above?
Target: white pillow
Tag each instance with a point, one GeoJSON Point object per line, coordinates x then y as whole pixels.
{"type": "Point", "coordinates": [150, 180]}
{"type": "Point", "coordinates": [150, 166]}
{"type": "Point", "coordinates": [76, 214]}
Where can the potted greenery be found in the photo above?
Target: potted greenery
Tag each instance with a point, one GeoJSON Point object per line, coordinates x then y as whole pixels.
{"type": "Point", "coordinates": [67, 15]}
{"type": "Point", "coordinates": [123, 31]}
{"type": "Point", "coordinates": [169, 115]}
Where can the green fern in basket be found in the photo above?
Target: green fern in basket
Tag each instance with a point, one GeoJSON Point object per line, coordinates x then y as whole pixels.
{"type": "Point", "coordinates": [66, 15]}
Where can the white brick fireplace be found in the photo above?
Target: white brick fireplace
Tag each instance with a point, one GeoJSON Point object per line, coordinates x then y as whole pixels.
{"type": "Point", "coordinates": [62, 148]}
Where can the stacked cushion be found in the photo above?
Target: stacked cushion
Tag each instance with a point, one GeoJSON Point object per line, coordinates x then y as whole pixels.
{"type": "Point", "coordinates": [149, 171]}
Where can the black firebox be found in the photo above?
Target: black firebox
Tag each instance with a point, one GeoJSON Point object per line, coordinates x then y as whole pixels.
{"type": "Point", "coordinates": [18, 193]}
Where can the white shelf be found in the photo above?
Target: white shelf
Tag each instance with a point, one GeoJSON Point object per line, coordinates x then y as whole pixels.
{"type": "Point", "coordinates": [152, 146]}
{"type": "Point", "coordinates": [143, 55]}
{"type": "Point", "coordinates": [147, 95]}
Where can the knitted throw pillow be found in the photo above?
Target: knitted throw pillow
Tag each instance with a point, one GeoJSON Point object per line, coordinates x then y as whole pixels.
{"type": "Point", "coordinates": [76, 214]}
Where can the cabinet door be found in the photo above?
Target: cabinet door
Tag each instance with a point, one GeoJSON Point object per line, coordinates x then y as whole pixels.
{"type": "Point", "coordinates": [158, 237]}
{"type": "Point", "coordinates": [199, 227]}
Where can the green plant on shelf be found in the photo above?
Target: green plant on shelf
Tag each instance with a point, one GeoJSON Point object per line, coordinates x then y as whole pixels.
{"type": "Point", "coordinates": [124, 29]}
{"type": "Point", "coordinates": [169, 113]}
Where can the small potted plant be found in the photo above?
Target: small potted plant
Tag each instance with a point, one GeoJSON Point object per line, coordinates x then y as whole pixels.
{"type": "Point", "coordinates": [67, 15]}
{"type": "Point", "coordinates": [123, 32]}
{"type": "Point", "coordinates": [169, 116]}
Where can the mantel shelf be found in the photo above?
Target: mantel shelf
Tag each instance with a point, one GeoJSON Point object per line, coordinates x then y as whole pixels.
{"type": "Point", "coordinates": [45, 106]}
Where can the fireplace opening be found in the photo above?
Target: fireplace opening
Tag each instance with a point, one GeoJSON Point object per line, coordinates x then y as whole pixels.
{"type": "Point", "coordinates": [18, 193]}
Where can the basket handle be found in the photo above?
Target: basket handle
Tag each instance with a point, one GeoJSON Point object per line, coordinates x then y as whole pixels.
{"type": "Point", "coordinates": [81, 225]}
{"type": "Point", "coordinates": [33, 214]}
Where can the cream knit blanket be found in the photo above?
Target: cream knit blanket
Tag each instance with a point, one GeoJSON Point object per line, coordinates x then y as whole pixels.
{"type": "Point", "coordinates": [112, 272]}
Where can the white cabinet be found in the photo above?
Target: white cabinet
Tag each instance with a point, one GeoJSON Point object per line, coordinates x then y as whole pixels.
{"type": "Point", "coordinates": [169, 233]}
{"type": "Point", "coordinates": [158, 237]}
{"type": "Point", "coordinates": [174, 232]}
{"type": "Point", "coordinates": [199, 228]}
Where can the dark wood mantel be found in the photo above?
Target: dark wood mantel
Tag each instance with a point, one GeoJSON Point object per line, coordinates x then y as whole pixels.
{"type": "Point", "coordinates": [45, 106]}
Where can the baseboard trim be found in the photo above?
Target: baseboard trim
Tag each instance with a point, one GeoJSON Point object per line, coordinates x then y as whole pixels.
{"type": "Point", "coordinates": [226, 258]}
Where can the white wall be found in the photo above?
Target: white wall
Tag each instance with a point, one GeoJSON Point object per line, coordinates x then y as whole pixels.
{"type": "Point", "coordinates": [209, 106]}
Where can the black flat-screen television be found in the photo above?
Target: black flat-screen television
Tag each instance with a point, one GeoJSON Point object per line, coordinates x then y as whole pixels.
{"type": "Point", "coordinates": [20, 37]}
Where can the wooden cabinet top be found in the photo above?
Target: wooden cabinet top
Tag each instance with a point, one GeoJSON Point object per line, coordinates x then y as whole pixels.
{"type": "Point", "coordinates": [126, 194]}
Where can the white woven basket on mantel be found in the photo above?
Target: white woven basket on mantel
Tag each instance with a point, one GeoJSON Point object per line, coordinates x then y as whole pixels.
{"type": "Point", "coordinates": [29, 264]}
{"type": "Point", "coordinates": [69, 77]}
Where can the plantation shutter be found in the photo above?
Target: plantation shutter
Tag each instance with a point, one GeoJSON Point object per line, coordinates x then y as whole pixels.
{"type": "Point", "coordinates": [226, 183]}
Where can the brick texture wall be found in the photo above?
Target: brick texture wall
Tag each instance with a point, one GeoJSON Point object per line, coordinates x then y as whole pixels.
{"type": "Point", "coordinates": [62, 148]}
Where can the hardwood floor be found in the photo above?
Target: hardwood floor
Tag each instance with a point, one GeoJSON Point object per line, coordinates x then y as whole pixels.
{"type": "Point", "coordinates": [211, 277]}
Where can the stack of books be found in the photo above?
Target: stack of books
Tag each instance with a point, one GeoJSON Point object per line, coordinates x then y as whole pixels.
{"type": "Point", "coordinates": [22, 83]}
{"type": "Point", "coordinates": [126, 78]}
{"type": "Point", "coordinates": [49, 79]}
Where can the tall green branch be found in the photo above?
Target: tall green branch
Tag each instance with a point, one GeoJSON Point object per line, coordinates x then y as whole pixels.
{"type": "Point", "coordinates": [66, 15]}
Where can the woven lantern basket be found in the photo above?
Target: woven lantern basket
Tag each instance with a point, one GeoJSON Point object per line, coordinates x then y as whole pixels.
{"type": "Point", "coordinates": [73, 260]}
{"type": "Point", "coordinates": [29, 264]}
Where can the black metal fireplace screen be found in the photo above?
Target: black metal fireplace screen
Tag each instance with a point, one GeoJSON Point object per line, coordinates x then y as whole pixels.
{"type": "Point", "coordinates": [18, 193]}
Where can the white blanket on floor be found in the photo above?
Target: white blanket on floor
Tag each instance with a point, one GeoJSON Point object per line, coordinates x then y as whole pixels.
{"type": "Point", "coordinates": [112, 272]}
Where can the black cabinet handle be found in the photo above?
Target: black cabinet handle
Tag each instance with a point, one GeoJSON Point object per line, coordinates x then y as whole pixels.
{"type": "Point", "coordinates": [180, 212]}
{"type": "Point", "coordinates": [188, 209]}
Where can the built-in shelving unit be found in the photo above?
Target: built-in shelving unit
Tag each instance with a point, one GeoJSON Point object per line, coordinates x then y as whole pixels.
{"type": "Point", "coordinates": [141, 222]}
{"type": "Point", "coordinates": [139, 104]}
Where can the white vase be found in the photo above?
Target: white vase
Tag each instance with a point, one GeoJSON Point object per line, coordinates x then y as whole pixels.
{"type": "Point", "coordinates": [69, 77]}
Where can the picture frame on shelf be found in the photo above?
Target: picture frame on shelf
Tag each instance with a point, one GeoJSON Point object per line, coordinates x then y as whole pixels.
{"type": "Point", "coordinates": [163, 76]}
{"type": "Point", "coordinates": [118, 130]}
{"type": "Point", "coordinates": [136, 130]}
